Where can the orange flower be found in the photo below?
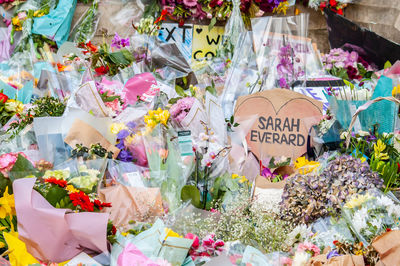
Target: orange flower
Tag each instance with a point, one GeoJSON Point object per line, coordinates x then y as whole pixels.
{"type": "Point", "coordinates": [164, 12]}
{"type": "Point", "coordinates": [92, 47]}
{"type": "Point", "coordinates": [62, 68]}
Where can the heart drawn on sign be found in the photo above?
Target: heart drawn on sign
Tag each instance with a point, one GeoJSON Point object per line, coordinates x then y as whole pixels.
{"type": "Point", "coordinates": [199, 30]}
{"type": "Point", "coordinates": [284, 120]}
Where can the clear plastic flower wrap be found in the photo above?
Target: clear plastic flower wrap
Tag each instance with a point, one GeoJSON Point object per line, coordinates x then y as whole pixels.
{"type": "Point", "coordinates": [125, 173]}
{"type": "Point", "coordinates": [370, 214]}
{"type": "Point", "coordinates": [86, 26]}
{"type": "Point", "coordinates": [281, 47]}
{"type": "Point", "coordinates": [83, 175]}
{"type": "Point", "coordinates": [243, 77]}
{"type": "Point", "coordinates": [233, 28]}
{"type": "Point", "coordinates": [210, 75]}
{"type": "Point", "coordinates": [168, 169]}
{"type": "Point", "coordinates": [329, 229]}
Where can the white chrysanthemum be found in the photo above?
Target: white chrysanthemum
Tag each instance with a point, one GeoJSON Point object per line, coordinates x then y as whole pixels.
{"type": "Point", "coordinates": [360, 219]}
{"type": "Point", "coordinates": [384, 201]}
{"type": "Point", "coordinates": [299, 233]}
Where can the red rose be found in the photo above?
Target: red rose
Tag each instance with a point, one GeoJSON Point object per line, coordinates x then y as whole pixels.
{"type": "Point", "coordinates": [333, 3]}
{"type": "Point", "coordinates": [3, 98]}
{"type": "Point", "coordinates": [322, 6]}
{"type": "Point", "coordinates": [101, 70]}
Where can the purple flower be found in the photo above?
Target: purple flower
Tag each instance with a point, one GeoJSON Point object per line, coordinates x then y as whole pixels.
{"type": "Point", "coordinates": [120, 145]}
{"type": "Point", "coordinates": [283, 83]}
{"type": "Point", "coordinates": [122, 134]}
{"type": "Point", "coordinates": [266, 172]}
{"type": "Point", "coordinates": [131, 125]}
{"type": "Point", "coordinates": [125, 156]}
{"type": "Point", "coordinates": [125, 42]}
{"type": "Point", "coordinates": [332, 254]}
{"type": "Point", "coordinates": [118, 42]}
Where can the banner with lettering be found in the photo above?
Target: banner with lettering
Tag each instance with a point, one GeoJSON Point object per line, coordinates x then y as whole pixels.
{"type": "Point", "coordinates": [182, 36]}
{"type": "Point", "coordinates": [284, 120]}
{"type": "Point", "coordinates": [206, 42]}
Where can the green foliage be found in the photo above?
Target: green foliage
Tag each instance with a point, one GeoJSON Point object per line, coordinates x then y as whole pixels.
{"type": "Point", "coordinates": [43, 107]}
{"type": "Point", "coordinates": [86, 27]}
{"type": "Point", "coordinates": [191, 193]}
{"type": "Point", "coordinates": [388, 171]}
{"type": "Point", "coordinates": [212, 23]}
{"type": "Point", "coordinates": [22, 168]}
{"type": "Point", "coordinates": [5, 182]}
{"type": "Point", "coordinates": [57, 196]}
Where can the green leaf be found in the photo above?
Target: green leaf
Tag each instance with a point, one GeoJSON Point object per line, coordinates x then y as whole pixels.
{"type": "Point", "coordinates": [180, 91]}
{"type": "Point", "coordinates": [4, 182]}
{"type": "Point", "coordinates": [55, 195]}
{"type": "Point", "coordinates": [22, 168]}
{"type": "Point", "coordinates": [212, 23]}
{"type": "Point", "coordinates": [119, 58]}
{"type": "Point", "coordinates": [174, 100]}
{"type": "Point", "coordinates": [387, 65]}
{"type": "Point", "coordinates": [349, 84]}
{"type": "Point", "coordinates": [211, 90]}
{"type": "Point", "coordinates": [191, 193]}
{"type": "Point", "coordinates": [184, 79]}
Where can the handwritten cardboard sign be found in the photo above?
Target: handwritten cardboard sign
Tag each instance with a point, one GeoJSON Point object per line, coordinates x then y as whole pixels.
{"type": "Point", "coordinates": [284, 120]}
{"type": "Point", "coordinates": [182, 36]}
{"type": "Point", "coordinates": [206, 42]}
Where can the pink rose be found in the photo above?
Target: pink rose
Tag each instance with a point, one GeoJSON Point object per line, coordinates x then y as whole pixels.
{"type": "Point", "coordinates": [196, 241]}
{"type": "Point", "coordinates": [7, 162]}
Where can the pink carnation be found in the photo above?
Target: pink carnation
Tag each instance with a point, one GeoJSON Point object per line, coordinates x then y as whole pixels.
{"type": "Point", "coordinates": [114, 105]}
{"type": "Point", "coordinates": [208, 240]}
{"type": "Point", "coordinates": [307, 246]}
{"type": "Point", "coordinates": [181, 108]}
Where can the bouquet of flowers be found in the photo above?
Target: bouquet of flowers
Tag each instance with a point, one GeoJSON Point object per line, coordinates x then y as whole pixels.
{"type": "Point", "coordinates": [8, 108]}
{"type": "Point", "coordinates": [105, 61]}
{"type": "Point", "coordinates": [311, 196]}
{"type": "Point", "coordinates": [371, 214]}
{"type": "Point", "coordinates": [42, 107]}
{"type": "Point", "coordinates": [336, 6]}
{"type": "Point", "coordinates": [347, 65]}
{"type": "Point", "coordinates": [219, 10]}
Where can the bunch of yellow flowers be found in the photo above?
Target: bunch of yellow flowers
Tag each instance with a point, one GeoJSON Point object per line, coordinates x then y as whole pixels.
{"type": "Point", "coordinates": [155, 117]}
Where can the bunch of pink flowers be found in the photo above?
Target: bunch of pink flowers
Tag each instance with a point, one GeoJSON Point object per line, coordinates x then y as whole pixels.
{"type": "Point", "coordinates": [209, 246]}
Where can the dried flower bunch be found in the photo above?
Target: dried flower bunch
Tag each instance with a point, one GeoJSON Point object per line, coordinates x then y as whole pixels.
{"type": "Point", "coordinates": [309, 197]}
